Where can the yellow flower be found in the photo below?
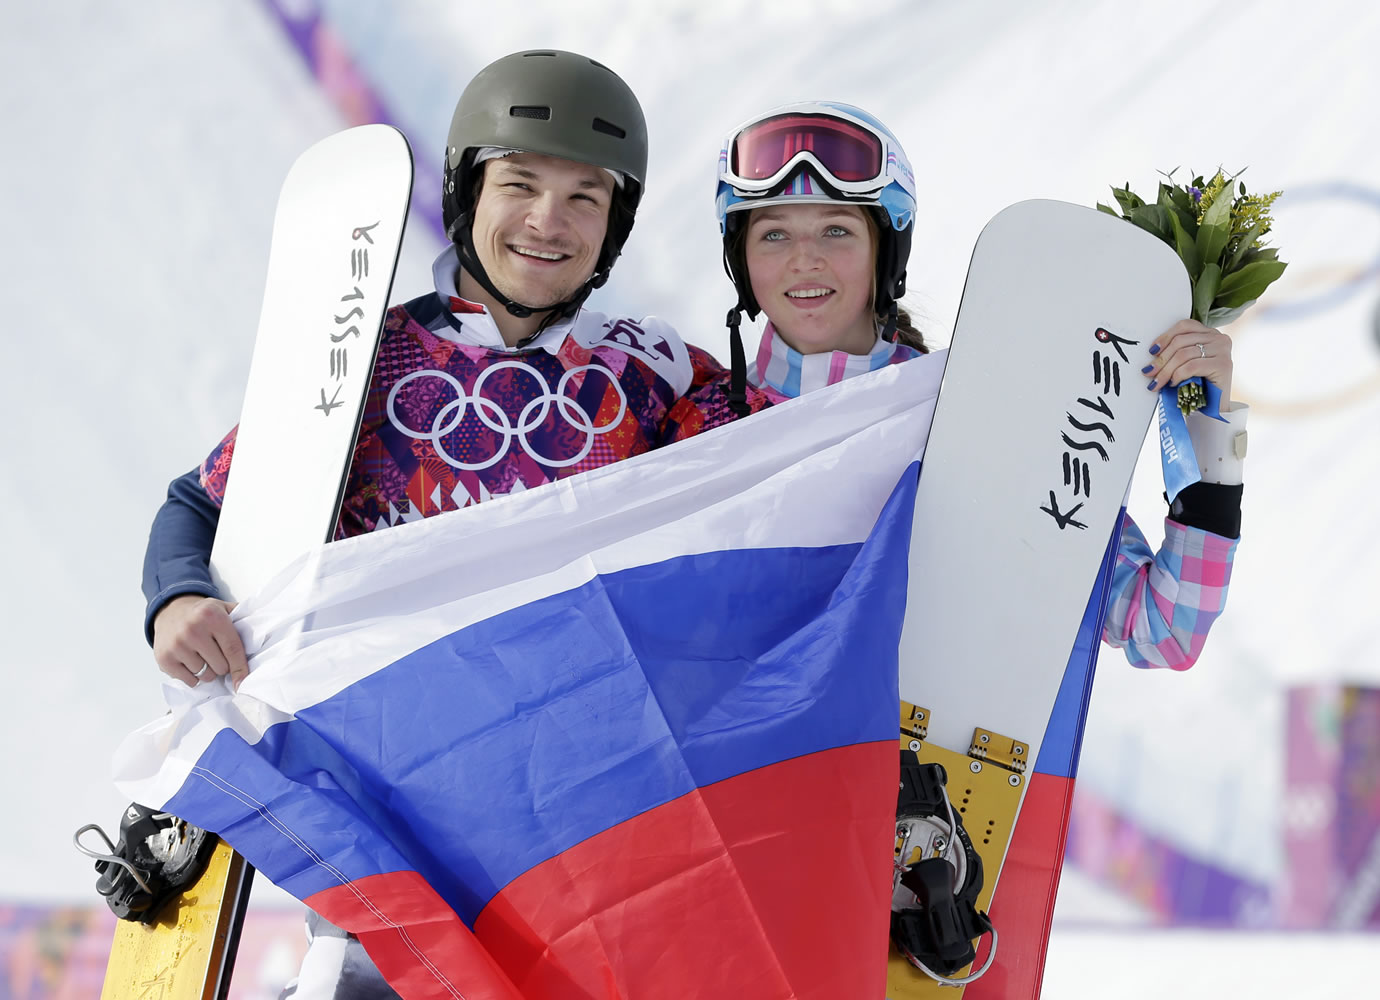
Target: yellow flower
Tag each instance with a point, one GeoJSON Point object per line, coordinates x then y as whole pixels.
{"type": "Point", "coordinates": [1249, 211]}
{"type": "Point", "coordinates": [1210, 191]}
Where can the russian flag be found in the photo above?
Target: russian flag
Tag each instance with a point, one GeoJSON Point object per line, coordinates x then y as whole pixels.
{"type": "Point", "coordinates": [632, 734]}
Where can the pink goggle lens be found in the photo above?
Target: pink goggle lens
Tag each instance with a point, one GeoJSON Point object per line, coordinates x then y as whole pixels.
{"type": "Point", "coordinates": [848, 152]}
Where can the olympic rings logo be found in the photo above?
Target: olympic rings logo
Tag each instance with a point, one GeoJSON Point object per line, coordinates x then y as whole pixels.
{"type": "Point", "coordinates": [496, 419]}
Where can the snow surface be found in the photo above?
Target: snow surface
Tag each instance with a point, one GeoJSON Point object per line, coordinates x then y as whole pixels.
{"type": "Point", "coordinates": [145, 143]}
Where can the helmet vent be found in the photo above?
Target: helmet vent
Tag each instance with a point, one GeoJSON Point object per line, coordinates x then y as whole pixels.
{"type": "Point", "coordinates": [529, 55]}
{"type": "Point", "coordinates": [539, 112]}
{"type": "Point", "coordinates": [609, 128]}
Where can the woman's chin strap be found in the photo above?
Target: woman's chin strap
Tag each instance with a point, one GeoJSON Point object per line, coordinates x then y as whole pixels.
{"type": "Point", "coordinates": [737, 381]}
{"type": "Point", "coordinates": [892, 317]}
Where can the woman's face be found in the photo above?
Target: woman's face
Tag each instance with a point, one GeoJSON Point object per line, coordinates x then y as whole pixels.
{"type": "Point", "coordinates": [811, 268]}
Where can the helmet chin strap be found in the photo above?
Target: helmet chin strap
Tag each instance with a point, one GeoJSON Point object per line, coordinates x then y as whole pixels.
{"type": "Point", "coordinates": [737, 382]}
{"type": "Point", "coordinates": [892, 317]}
{"type": "Point", "coordinates": [469, 260]}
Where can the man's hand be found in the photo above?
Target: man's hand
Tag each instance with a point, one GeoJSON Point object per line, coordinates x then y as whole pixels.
{"type": "Point", "coordinates": [193, 640]}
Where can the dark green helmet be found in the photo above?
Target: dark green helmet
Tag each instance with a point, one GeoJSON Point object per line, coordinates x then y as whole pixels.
{"type": "Point", "coordinates": [558, 104]}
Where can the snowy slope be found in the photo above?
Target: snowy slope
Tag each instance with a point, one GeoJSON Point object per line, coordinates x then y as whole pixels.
{"type": "Point", "coordinates": [141, 168]}
{"type": "Point", "coordinates": [146, 144]}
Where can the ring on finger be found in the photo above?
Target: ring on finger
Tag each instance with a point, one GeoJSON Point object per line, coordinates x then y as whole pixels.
{"type": "Point", "coordinates": [204, 667]}
{"type": "Point", "coordinates": [1202, 351]}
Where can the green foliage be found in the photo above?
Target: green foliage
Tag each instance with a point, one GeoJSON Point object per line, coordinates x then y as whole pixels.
{"type": "Point", "coordinates": [1218, 236]}
{"type": "Point", "coordinates": [1186, 245]}
{"type": "Point", "coordinates": [1205, 288]}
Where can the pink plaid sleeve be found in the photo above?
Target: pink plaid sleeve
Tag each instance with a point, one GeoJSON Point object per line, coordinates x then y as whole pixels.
{"type": "Point", "coordinates": [1164, 603]}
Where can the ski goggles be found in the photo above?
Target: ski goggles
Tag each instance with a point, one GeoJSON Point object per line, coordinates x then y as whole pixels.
{"type": "Point", "coordinates": [847, 154]}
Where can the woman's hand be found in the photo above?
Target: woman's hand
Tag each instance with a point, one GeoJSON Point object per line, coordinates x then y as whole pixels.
{"type": "Point", "coordinates": [1189, 348]}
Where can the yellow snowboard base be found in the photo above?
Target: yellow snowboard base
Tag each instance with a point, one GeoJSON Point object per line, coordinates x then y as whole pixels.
{"type": "Point", "coordinates": [181, 956]}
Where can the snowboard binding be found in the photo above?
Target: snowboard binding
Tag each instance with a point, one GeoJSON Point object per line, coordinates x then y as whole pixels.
{"type": "Point", "coordinates": [158, 856]}
{"type": "Point", "coordinates": [934, 915]}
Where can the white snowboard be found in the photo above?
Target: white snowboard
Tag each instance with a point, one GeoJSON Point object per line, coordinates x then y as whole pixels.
{"type": "Point", "coordinates": [336, 237]}
{"type": "Point", "coordinates": [1041, 417]}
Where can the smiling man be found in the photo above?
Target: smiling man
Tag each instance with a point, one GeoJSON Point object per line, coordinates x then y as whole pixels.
{"type": "Point", "coordinates": [497, 380]}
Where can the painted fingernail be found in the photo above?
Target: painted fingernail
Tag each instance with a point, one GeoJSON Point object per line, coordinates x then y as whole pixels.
{"type": "Point", "coordinates": [1150, 386]}
{"type": "Point", "coordinates": [1155, 349]}
{"type": "Point", "coordinates": [1147, 369]}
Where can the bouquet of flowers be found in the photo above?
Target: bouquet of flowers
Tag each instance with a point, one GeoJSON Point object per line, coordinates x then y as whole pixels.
{"type": "Point", "coordinates": [1218, 233]}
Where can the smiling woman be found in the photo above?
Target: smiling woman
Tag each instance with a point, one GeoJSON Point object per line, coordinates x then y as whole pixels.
{"type": "Point", "coordinates": [816, 206]}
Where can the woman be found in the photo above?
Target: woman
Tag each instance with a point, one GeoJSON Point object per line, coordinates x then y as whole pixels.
{"type": "Point", "coordinates": [816, 203]}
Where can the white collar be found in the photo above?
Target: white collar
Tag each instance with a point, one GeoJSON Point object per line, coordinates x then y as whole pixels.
{"type": "Point", "coordinates": [476, 324]}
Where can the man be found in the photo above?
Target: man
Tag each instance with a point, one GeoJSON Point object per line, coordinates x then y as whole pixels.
{"type": "Point", "coordinates": [497, 381]}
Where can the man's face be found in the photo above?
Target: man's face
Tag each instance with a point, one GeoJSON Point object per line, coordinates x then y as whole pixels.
{"type": "Point", "coordinates": [539, 224]}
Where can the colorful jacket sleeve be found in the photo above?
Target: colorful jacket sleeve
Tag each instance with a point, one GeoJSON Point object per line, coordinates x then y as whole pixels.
{"type": "Point", "coordinates": [705, 404]}
{"type": "Point", "coordinates": [178, 558]}
{"type": "Point", "coordinates": [1163, 603]}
